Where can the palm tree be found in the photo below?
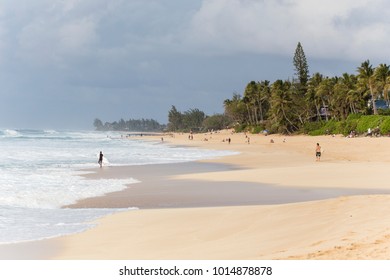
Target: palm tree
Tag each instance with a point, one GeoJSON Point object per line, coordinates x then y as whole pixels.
{"type": "Point", "coordinates": [250, 100]}
{"type": "Point", "coordinates": [345, 95]}
{"type": "Point", "coordinates": [353, 97]}
{"type": "Point", "coordinates": [366, 78]}
{"type": "Point", "coordinates": [324, 93]}
{"type": "Point", "coordinates": [382, 76]}
{"type": "Point", "coordinates": [264, 95]}
{"type": "Point", "coordinates": [311, 94]}
{"type": "Point", "coordinates": [247, 101]}
{"type": "Point", "coordinates": [235, 109]}
{"type": "Point", "coordinates": [281, 103]}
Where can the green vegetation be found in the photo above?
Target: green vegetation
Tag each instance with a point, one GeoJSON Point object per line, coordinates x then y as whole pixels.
{"type": "Point", "coordinates": [195, 120]}
{"type": "Point", "coordinates": [301, 67]}
{"type": "Point", "coordinates": [314, 104]}
{"type": "Point", "coordinates": [142, 125]}
{"type": "Point", "coordinates": [358, 123]}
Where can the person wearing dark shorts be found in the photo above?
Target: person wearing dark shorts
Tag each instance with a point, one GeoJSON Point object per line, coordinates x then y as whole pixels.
{"type": "Point", "coordinates": [318, 152]}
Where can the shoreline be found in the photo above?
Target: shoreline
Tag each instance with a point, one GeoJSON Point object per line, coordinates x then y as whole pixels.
{"type": "Point", "coordinates": [349, 225]}
{"type": "Point", "coordinates": [187, 185]}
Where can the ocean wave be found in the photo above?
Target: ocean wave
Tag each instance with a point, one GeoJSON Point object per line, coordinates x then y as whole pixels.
{"type": "Point", "coordinates": [9, 133]}
{"type": "Point", "coordinates": [51, 131]}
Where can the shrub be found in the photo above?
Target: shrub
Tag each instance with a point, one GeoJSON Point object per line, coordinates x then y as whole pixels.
{"type": "Point", "coordinates": [349, 125]}
{"type": "Point", "coordinates": [312, 126]}
{"type": "Point", "coordinates": [257, 129]}
{"type": "Point", "coordinates": [276, 128]}
{"type": "Point", "coordinates": [366, 122]}
{"type": "Point", "coordinates": [354, 122]}
{"type": "Point", "coordinates": [354, 117]}
{"type": "Point", "coordinates": [385, 126]}
{"type": "Point", "coordinates": [384, 112]}
{"type": "Point", "coordinates": [240, 128]}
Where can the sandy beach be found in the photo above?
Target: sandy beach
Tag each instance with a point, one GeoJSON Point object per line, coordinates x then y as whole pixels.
{"type": "Point", "coordinates": [270, 201]}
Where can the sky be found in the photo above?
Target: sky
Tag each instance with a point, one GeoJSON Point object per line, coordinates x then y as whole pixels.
{"type": "Point", "coordinates": [64, 63]}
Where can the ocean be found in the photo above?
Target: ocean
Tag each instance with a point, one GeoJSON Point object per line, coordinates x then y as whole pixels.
{"type": "Point", "coordinates": [40, 173]}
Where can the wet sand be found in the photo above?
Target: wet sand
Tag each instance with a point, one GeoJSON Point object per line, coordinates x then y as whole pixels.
{"type": "Point", "coordinates": [157, 189]}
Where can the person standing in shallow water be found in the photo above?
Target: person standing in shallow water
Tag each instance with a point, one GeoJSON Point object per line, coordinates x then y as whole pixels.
{"type": "Point", "coordinates": [100, 159]}
{"type": "Point", "coordinates": [318, 152]}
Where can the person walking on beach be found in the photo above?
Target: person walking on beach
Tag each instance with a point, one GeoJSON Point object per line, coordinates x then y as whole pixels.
{"type": "Point", "coordinates": [100, 159]}
{"type": "Point", "coordinates": [318, 152]}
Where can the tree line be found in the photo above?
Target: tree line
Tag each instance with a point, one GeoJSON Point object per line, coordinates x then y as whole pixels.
{"type": "Point", "coordinates": [195, 120]}
{"type": "Point", "coordinates": [287, 106]}
{"type": "Point", "coordinates": [142, 125]}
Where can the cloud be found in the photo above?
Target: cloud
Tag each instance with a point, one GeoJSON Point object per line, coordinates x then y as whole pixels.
{"type": "Point", "coordinates": [77, 34]}
{"type": "Point", "coordinates": [58, 32]}
{"type": "Point", "coordinates": [63, 34]}
{"type": "Point", "coordinates": [336, 28]}
{"type": "Point", "coordinates": [125, 55]}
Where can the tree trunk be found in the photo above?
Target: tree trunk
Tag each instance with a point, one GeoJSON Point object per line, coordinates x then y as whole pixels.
{"type": "Point", "coordinates": [249, 114]}
{"type": "Point", "coordinates": [318, 111]}
{"type": "Point", "coordinates": [255, 115]}
{"type": "Point", "coordinates": [288, 120]}
{"type": "Point", "coordinates": [326, 110]}
{"type": "Point", "coordinates": [373, 100]}
{"type": "Point", "coordinates": [261, 112]}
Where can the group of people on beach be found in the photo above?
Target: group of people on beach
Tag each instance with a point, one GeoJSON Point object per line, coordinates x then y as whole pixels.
{"type": "Point", "coordinates": [227, 140]}
{"type": "Point", "coordinates": [318, 151]}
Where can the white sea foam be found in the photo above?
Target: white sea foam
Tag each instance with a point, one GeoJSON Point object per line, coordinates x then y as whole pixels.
{"type": "Point", "coordinates": [52, 188]}
{"type": "Point", "coordinates": [39, 175]}
{"type": "Point", "coordinates": [9, 133]}
{"type": "Point", "coordinates": [26, 224]}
